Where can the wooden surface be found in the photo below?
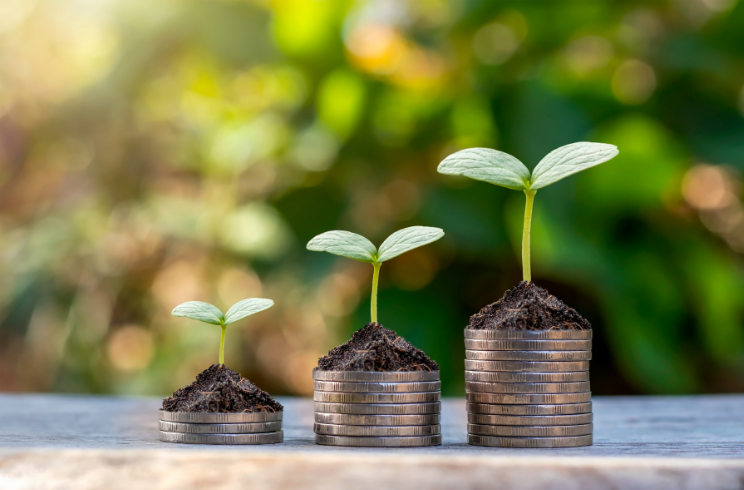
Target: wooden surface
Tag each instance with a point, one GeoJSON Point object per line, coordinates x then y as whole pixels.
{"type": "Point", "coordinates": [82, 442]}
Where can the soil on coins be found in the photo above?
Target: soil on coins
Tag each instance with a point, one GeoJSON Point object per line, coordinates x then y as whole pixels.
{"type": "Point", "coordinates": [528, 307]}
{"type": "Point", "coordinates": [220, 389]}
{"type": "Point", "coordinates": [376, 348]}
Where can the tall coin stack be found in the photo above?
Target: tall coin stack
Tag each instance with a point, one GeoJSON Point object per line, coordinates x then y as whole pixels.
{"type": "Point", "coordinates": [221, 428]}
{"type": "Point", "coordinates": [377, 409]}
{"type": "Point", "coordinates": [528, 388]}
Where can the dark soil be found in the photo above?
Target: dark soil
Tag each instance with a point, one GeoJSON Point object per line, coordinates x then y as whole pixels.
{"type": "Point", "coordinates": [528, 307]}
{"type": "Point", "coordinates": [376, 348]}
{"type": "Point", "coordinates": [219, 389]}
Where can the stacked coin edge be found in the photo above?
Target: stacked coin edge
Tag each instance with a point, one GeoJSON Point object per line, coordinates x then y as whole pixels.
{"type": "Point", "coordinates": [377, 409]}
{"type": "Point", "coordinates": [219, 428]}
{"type": "Point", "coordinates": [528, 389]}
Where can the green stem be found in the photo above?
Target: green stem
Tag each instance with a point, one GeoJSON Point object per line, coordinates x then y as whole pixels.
{"type": "Point", "coordinates": [375, 278]}
{"type": "Point", "coordinates": [222, 344]}
{"type": "Point", "coordinates": [526, 268]}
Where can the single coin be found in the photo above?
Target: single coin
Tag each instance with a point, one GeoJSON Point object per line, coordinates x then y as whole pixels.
{"type": "Point", "coordinates": [377, 430]}
{"type": "Point", "coordinates": [528, 399]}
{"type": "Point", "coordinates": [506, 377]}
{"type": "Point", "coordinates": [332, 397]}
{"type": "Point", "coordinates": [379, 409]}
{"type": "Point", "coordinates": [578, 387]}
{"type": "Point", "coordinates": [219, 417]}
{"type": "Point", "coordinates": [529, 355]}
{"type": "Point", "coordinates": [376, 376]}
{"type": "Point", "coordinates": [544, 420]}
{"type": "Point", "coordinates": [220, 428]}
{"type": "Point", "coordinates": [356, 419]}
{"type": "Point", "coordinates": [533, 431]}
{"type": "Point", "coordinates": [528, 334]}
{"type": "Point", "coordinates": [526, 366]}
{"type": "Point", "coordinates": [410, 441]}
{"type": "Point", "coordinates": [490, 441]}
{"type": "Point", "coordinates": [243, 439]}
{"type": "Point", "coordinates": [563, 409]}
{"type": "Point", "coordinates": [352, 387]}
{"type": "Point", "coordinates": [478, 344]}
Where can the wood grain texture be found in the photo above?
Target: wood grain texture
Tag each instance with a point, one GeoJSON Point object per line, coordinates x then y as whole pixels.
{"type": "Point", "coordinates": [84, 442]}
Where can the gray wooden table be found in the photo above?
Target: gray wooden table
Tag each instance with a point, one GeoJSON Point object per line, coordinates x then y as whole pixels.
{"type": "Point", "coordinates": [86, 442]}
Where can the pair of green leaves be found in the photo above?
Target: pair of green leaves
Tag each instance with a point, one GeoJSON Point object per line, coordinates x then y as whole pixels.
{"type": "Point", "coordinates": [499, 168]}
{"type": "Point", "coordinates": [204, 312]}
{"type": "Point", "coordinates": [357, 247]}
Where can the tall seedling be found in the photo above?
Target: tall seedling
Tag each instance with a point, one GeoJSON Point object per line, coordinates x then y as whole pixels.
{"type": "Point", "coordinates": [204, 312]}
{"type": "Point", "coordinates": [499, 168]}
{"type": "Point", "coordinates": [353, 246]}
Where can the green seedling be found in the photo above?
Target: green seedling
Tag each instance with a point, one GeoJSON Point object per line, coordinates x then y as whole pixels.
{"type": "Point", "coordinates": [499, 168]}
{"type": "Point", "coordinates": [204, 312]}
{"type": "Point", "coordinates": [353, 246]}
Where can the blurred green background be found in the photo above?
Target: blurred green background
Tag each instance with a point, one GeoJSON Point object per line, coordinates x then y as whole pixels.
{"type": "Point", "coordinates": [153, 153]}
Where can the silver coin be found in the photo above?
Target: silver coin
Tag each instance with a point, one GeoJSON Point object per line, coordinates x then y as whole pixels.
{"type": "Point", "coordinates": [529, 355]}
{"type": "Point", "coordinates": [528, 334]}
{"type": "Point", "coordinates": [478, 344]}
{"type": "Point", "coordinates": [377, 430]}
{"type": "Point", "coordinates": [526, 366]}
{"type": "Point", "coordinates": [356, 419]}
{"type": "Point", "coordinates": [544, 420]}
{"type": "Point", "coordinates": [351, 387]}
{"type": "Point", "coordinates": [528, 399]}
{"type": "Point", "coordinates": [533, 431]}
{"type": "Point", "coordinates": [563, 409]}
{"type": "Point", "coordinates": [379, 409]}
{"type": "Point", "coordinates": [257, 427]}
{"type": "Point", "coordinates": [410, 441]}
{"type": "Point", "coordinates": [243, 439]}
{"type": "Point", "coordinates": [490, 441]}
{"type": "Point", "coordinates": [332, 397]}
{"type": "Point", "coordinates": [578, 387]}
{"type": "Point", "coordinates": [219, 417]}
{"type": "Point", "coordinates": [376, 376]}
{"type": "Point", "coordinates": [505, 377]}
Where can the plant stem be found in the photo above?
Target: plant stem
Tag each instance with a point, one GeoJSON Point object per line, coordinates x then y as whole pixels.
{"type": "Point", "coordinates": [526, 268]}
{"type": "Point", "coordinates": [375, 278]}
{"type": "Point", "coordinates": [222, 344]}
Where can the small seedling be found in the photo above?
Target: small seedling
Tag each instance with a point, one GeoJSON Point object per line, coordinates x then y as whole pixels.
{"type": "Point", "coordinates": [204, 312]}
{"type": "Point", "coordinates": [499, 168]}
{"type": "Point", "coordinates": [357, 247]}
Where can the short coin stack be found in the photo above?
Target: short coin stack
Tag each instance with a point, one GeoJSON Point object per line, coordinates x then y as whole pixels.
{"type": "Point", "coordinates": [377, 409]}
{"type": "Point", "coordinates": [528, 388]}
{"type": "Point", "coordinates": [221, 428]}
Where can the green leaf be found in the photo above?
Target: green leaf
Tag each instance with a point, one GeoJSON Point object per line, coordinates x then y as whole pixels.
{"type": "Point", "coordinates": [569, 159]}
{"type": "Point", "coordinates": [492, 166]}
{"type": "Point", "coordinates": [344, 243]}
{"type": "Point", "coordinates": [246, 307]}
{"type": "Point", "coordinates": [407, 239]}
{"type": "Point", "coordinates": [196, 310]}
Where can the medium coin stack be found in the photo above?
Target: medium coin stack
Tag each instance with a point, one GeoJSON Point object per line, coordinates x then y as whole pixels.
{"type": "Point", "coordinates": [377, 409]}
{"type": "Point", "coordinates": [528, 388]}
{"type": "Point", "coordinates": [221, 428]}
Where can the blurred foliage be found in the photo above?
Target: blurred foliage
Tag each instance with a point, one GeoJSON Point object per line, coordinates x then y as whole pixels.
{"type": "Point", "coordinates": [153, 153]}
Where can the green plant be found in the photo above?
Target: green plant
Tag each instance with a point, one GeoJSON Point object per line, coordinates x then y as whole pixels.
{"type": "Point", "coordinates": [357, 247]}
{"type": "Point", "coordinates": [204, 312]}
{"type": "Point", "coordinates": [499, 168]}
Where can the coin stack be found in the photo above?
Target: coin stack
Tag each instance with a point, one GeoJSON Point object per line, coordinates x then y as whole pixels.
{"type": "Point", "coordinates": [528, 388]}
{"type": "Point", "coordinates": [377, 409]}
{"type": "Point", "coordinates": [221, 428]}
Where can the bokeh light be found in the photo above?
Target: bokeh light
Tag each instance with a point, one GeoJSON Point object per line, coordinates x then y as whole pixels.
{"type": "Point", "coordinates": [130, 348]}
{"type": "Point", "coordinates": [153, 153]}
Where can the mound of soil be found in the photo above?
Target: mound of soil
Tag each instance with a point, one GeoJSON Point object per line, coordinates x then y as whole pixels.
{"type": "Point", "coordinates": [219, 389]}
{"type": "Point", "coordinates": [376, 348]}
{"type": "Point", "coordinates": [528, 307]}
